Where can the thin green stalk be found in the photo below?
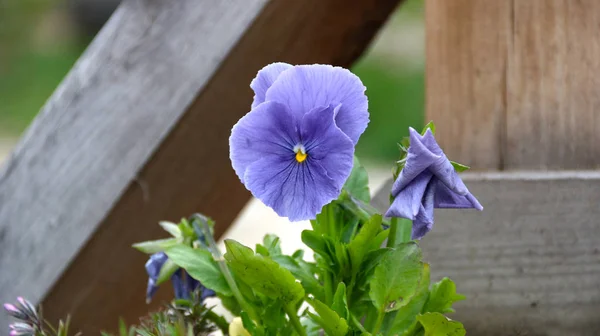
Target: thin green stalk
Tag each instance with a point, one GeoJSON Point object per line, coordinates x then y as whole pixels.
{"type": "Point", "coordinates": [405, 228]}
{"type": "Point", "coordinates": [218, 257]}
{"type": "Point", "coordinates": [380, 315]}
{"type": "Point", "coordinates": [328, 288]}
{"type": "Point", "coordinates": [218, 320]}
{"type": "Point", "coordinates": [391, 241]}
{"type": "Point", "coordinates": [357, 324]}
{"type": "Point", "coordinates": [291, 312]}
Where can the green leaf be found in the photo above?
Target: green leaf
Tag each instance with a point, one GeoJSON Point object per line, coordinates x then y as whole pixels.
{"type": "Point", "coordinates": [340, 305]}
{"type": "Point", "coordinates": [377, 242]}
{"type": "Point", "coordinates": [262, 274]}
{"type": "Point", "coordinates": [315, 241]}
{"type": "Point", "coordinates": [436, 324]}
{"type": "Point", "coordinates": [155, 246]}
{"type": "Point", "coordinates": [430, 125]}
{"type": "Point", "coordinates": [328, 319]}
{"type": "Point", "coordinates": [357, 183]}
{"type": "Point", "coordinates": [272, 244]}
{"type": "Point", "coordinates": [172, 228]}
{"type": "Point", "coordinates": [302, 271]}
{"type": "Point", "coordinates": [459, 167]}
{"type": "Point", "coordinates": [443, 295]}
{"type": "Point", "coordinates": [359, 246]}
{"type": "Point", "coordinates": [122, 327]}
{"type": "Point", "coordinates": [201, 266]}
{"type": "Point", "coordinates": [405, 318]}
{"type": "Point", "coordinates": [166, 271]}
{"type": "Point", "coordinates": [396, 277]}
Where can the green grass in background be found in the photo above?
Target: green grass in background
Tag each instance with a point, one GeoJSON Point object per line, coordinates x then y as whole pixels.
{"type": "Point", "coordinates": [396, 101]}
{"type": "Point", "coordinates": [26, 85]}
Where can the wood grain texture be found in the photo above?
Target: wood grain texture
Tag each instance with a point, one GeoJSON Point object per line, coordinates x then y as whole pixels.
{"type": "Point", "coordinates": [553, 116]}
{"type": "Point", "coordinates": [123, 143]}
{"type": "Point", "coordinates": [529, 264]}
{"type": "Point", "coordinates": [466, 49]}
{"type": "Point", "coordinates": [514, 83]}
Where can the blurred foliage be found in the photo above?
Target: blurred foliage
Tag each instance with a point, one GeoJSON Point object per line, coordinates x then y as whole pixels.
{"type": "Point", "coordinates": [396, 101]}
{"type": "Point", "coordinates": [30, 73]}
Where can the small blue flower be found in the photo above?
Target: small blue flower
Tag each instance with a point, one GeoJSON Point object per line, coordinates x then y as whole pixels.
{"type": "Point", "coordinates": [427, 181]}
{"type": "Point", "coordinates": [183, 283]}
{"type": "Point", "coordinates": [294, 150]}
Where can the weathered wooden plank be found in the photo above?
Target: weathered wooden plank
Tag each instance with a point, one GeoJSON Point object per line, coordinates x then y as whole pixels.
{"type": "Point", "coordinates": [514, 82]}
{"type": "Point", "coordinates": [529, 264]}
{"type": "Point", "coordinates": [123, 143]}
{"type": "Point", "coordinates": [553, 102]}
{"type": "Point", "coordinates": [466, 51]}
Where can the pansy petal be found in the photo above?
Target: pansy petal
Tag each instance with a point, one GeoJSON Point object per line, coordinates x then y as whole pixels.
{"type": "Point", "coordinates": [429, 141]}
{"type": "Point", "coordinates": [446, 198]}
{"type": "Point", "coordinates": [270, 128]}
{"type": "Point", "coordinates": [421, 225]}
{"type": "Point", "coordinates": [305, 87]}
{"type": "Point", "coordinates": [423, 222]}
{"type": "Point", "coordinates": [264, 79]}
{"type": "Point", "coordinates": [294, 190]}
{"type": "Point", "coordinates": [408, 201]}
{"type": "Point", "coordinates": [326, 143]}
{"type": "Point", "coordinates": [444, 171]}
{"type": "Point", "coordinates": [418, 159]}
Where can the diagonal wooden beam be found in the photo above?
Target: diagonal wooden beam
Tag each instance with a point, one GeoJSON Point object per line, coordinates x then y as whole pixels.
{"type": "Point", "coordinates": [137, 133]}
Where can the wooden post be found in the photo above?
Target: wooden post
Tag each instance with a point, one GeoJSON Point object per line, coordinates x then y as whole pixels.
{"type": "Point", "coordinates": [137, 133]}
{"type": "Point", "coordinates": [529, 262]}
{"type": "Point", "coordinates": [513, 84]}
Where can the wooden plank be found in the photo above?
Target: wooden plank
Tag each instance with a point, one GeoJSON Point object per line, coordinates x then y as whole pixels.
{"type": "Point", "coordinates": [123, 143]}
{"type": "Point", "coordinates": [466, 49]}
{"type": "Point", "coordinates": [529, 264]}
{"type": "Point", "coordinates": [553, 106]}
{"type": "Point", "coordinates": [514, 82]}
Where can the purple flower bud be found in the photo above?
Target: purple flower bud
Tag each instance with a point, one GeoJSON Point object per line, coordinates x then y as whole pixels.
{"type": "Point", "coordinates": [427, 181]}
{"type": "Point", "coordinates": [13, 311]}
{"type": "Point", "coordinates": [27, 307]}
{"type": "Point", "coordinates": [21, 329]}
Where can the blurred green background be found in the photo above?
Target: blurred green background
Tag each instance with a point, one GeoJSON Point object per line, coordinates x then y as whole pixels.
{"type": "Point", "coordinates": [41, 39]}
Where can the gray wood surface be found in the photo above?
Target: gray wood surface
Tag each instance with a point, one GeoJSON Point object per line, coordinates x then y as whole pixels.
{"type": "Point", "coordinates": [99, 128]}
{"type": "Point", "coordinates": [137, 133]}
{"type": "Point", "coordinates": [529, 264]}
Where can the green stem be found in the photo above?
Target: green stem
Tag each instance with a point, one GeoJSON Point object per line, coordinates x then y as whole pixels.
{"type": "Point", "coordinates": [380, 315]}
{"type": "Point", "coordinates": [358, 325]}
{"type": "Point", "coordinates": [218, 320]}
{"type": "Point", "coordinates": [328, 288]}
{"type": "Point", "coordinates": [405, 228]}
{"type": "Point", "coordinates": [391, 242]}
{"type": "Point", "coordinates": [291, 312]}
{"type": "Point", "coordinates": [218, 257]}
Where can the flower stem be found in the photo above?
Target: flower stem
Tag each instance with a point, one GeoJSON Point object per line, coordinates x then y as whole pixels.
{"type": "Point", "coordinates": [218, 257]}
{"type": "Point", "coordinates": [291, 312]}
{"type": "Point", "coordinates": [218, 320]}
{"type": "Point", "coordinates": [391, 242]}
{"type": "Point", "coordinates": [380, 315]}
{"type": "Point", "coordinates": [328, 288]}
{"type": "Point", "coordinates": [357, 324]}
{"type": "Point", "coordinates": [405, 228]}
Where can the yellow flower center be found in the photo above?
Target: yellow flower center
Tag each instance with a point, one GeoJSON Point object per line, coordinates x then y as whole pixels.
{"type": "Point", "coordinates": [301, 156]}
{"type": "Point", "coordinates": [300, 153]}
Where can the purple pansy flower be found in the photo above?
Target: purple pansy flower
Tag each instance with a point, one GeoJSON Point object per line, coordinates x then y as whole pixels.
{"type": "Point", "coordinates": [183, 283]}
{"type": "Point", "coordinates": [294, 150]}
{"type": "Point", "coordinates": [427, 181]}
